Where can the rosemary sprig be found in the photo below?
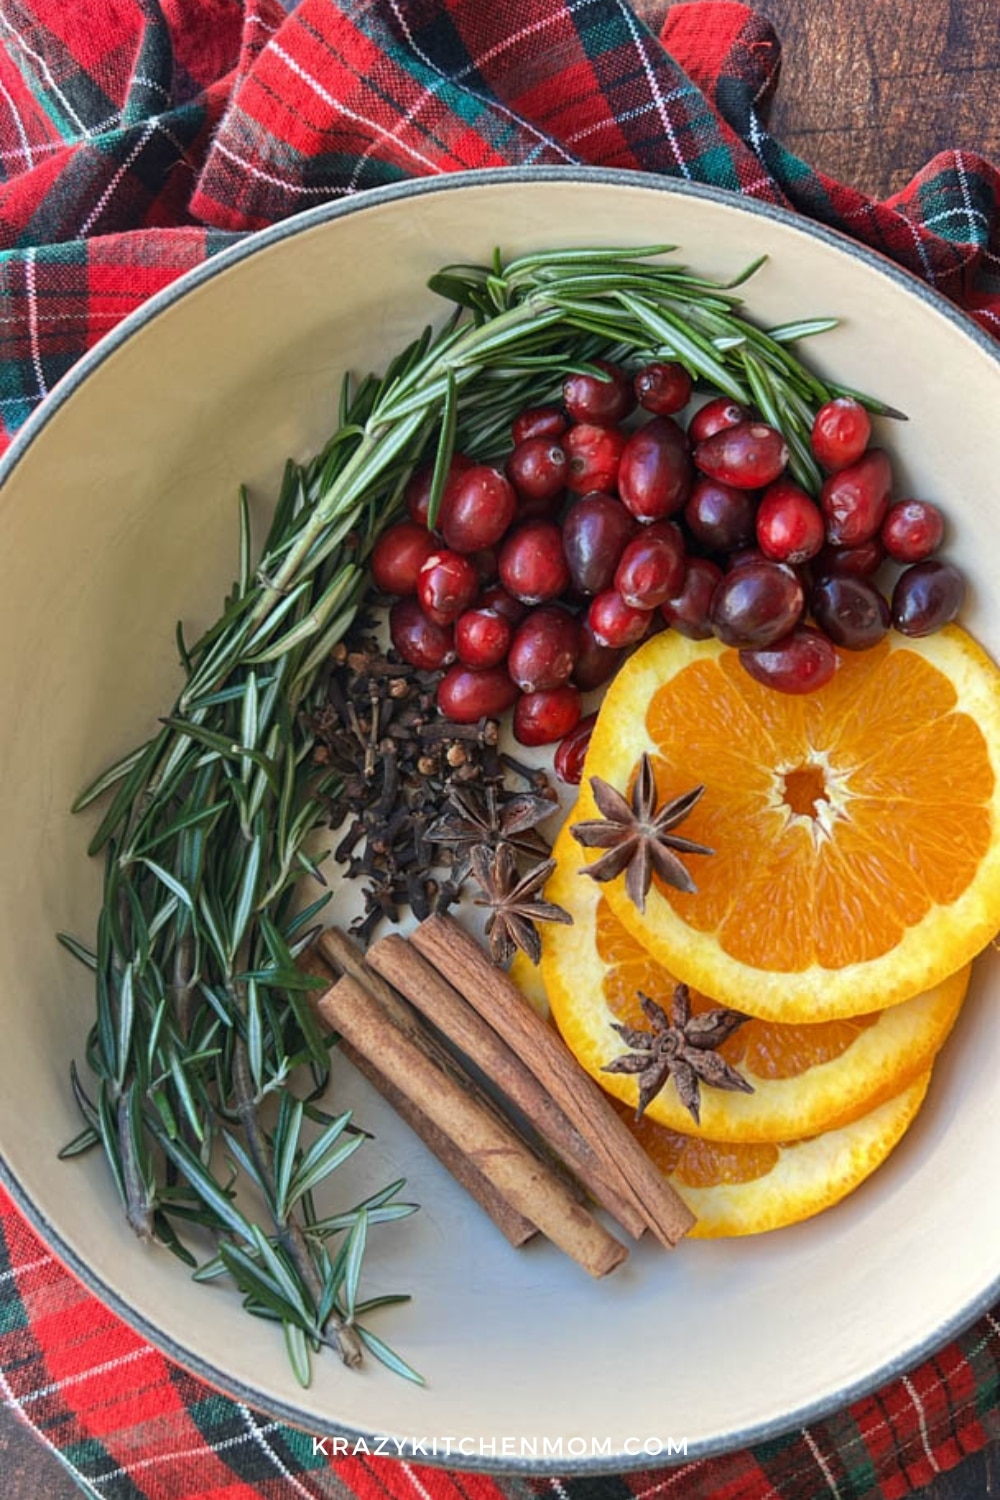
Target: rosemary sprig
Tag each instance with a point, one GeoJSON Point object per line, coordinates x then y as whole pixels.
{"type": "Point", "coordinates": [204, 1023]}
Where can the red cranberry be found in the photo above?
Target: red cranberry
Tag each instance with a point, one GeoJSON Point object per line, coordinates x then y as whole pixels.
{"type": "Point", "coordinates": [757, 605]}
{"type": "Point", "coordinates": [477, 508]}
{"type": "Point", "coordinates": [544, 649]}
{"type": "Point", "coordinates": [594, 455]}
{"type": "Point", "coordinates": [594, 533]}
{"type": "Point", "coordinates": [497, 598]}
{"type": "Point", "coordinates": [655, 477]}
{"type": "Point", "coordinates": [537, 469]}
{"type": "Point", "coordinates": [855, 499]}
{"type": "Point", "coordinates": [912, 530]}
{"type": "Point", "coordinates": [482, 637]}
{"type": "Point", "coordinates": [544, 717]}
{"type": "Point", "coordinates": [419, 641]}
{"type": "Point", "coordinates": [744, 555]}
{"type": "Point", "coordinates": [749, 455]}
{"type": "Point", "coordinates": [715, 416]}
{"type": "Point", "coordinates": [688, 611]}
{"type": "Point", "coordinates": [398, 556]}
{"type": "Point", "coordinates": [663, 387]}
{"type": "Point", "coordinates": [797, 663]}
{"type": "Point", "coordinates": [595, 664]}
{"type": "Point", "coordinates": [789, 523]}
{"type": "Point", "coordinates": [851, 611]}
{"type": "Point", "coordinates": [719, 516]}
{"type": "Point", "coordinates": [651, 569]}
{"type": "Point", "coordinates": [927, 596]}
{"type": "Point", "coordinates": [532, 564]}
{"type": "Point", "coordinates": [417, 494]}
{"type": "Point", "coordinates": [859, 562]}
{"type": "Point", "coordinates": [538, 421]}
{"type": "Point", "coordinates": [602, 403]}
{"type": "Point", "coordinates": [485, 563]}
{"type": "Point", "coordinates": [446, 585]}
{"type": "Point", "coordinates": [465, 695]}
{"type": "Point", "coordinates": [840, 433]}
{"type": "Point", "coordinates": [615, 623]}
{"type": "Point", "coordinates": [572, 752]}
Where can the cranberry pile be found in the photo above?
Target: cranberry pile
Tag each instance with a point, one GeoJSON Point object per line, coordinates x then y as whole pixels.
{"type": "Point", "coordinates": [536, 579]}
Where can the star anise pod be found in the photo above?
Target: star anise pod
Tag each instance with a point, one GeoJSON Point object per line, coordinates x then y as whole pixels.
{"type": "Point", "coordinates": [682, 1047]}
{"type": "Point", "coordinates": [637, 835]}
{"type": "Point", "coordinates": [514, 902]}
{"type": "Point", "coordinates": [480, 817]}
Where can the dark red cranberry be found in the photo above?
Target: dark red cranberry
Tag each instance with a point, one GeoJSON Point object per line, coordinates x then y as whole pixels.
{"type": "Point", "coordinates": [446, 585]}
{"type": "Point", "coordinates": [572, 752]}
{"type": "Point", "coordinates": [497, 598]}
{"type": "Point", "coordinates": [799, 662]}
{"type": "Point", "coordinates": [544, 717]}
{"type": "Point", "coordinates": [927, 596]}
{"type": "Point", "coordinates": [719, 516]}
{"type": "Point", "coordinates": [477, 508]}
{"type": "Point", "coordinates": [596, 664]}
{"type": "Point", "coordinates": [615, 623]}
{"type": "Point", "coordinates": [715, 416]}
{"type": "Point", "coordinates": [744, 555]}
{"type": "Point", "coordinates": [663, 387]}
{"type": "Point", "coordinates": [594, 455]}
{"type": "Point", "coordinates": [757, 605]}
{"type": "Point", "coordinates": [485, 563]}
{"type": "Point", "coordinates": [859, 562]}
{"type": "Point", "coordinates": [855, 499]}
{"type": "Point", "coordinates": [465, 695]}
{"type": "Point", "coordinates": [538, 421]}
{"type": "Point", "coordinates": [602, 403]}
{"type": "Point", "coordinates": [688, 610]}
{"type": "Point", "coordinates": [912, 530]}
{"type": "Point", "coordinates": [537, 469]}
{"type": "Point", "coordinates": [544, 649]}
{"type": "Point", "coordinates": [482, 637]}
{"type": "Point", "coordinates": [749, 455]}
{"type": "Point", "coordinates": [841, 432]}
{"type": "Point", "coordinates": [398, 556]}
{"type": "Point", "coordinates": [851, 611]}
{"type": "Point", "coordinates": [594, 534]}
{"type": "Point", "coordinates": [418, 640]}
{"type": "Point", "coordinates": [417, 494]}
{"type": "Point", "coordinates": [655, 477]}
{"type": "Point", "coordinates": [651, 569]}
{"type": "Point", "coordinates": [789, 523]}
{"type": "Point", "coordinates": [532, 563]}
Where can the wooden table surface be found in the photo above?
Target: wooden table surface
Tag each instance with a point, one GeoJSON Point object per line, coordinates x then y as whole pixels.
{"type": "Point", "coordinates": [869, 91]}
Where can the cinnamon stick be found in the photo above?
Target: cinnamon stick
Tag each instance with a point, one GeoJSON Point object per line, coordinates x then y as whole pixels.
{"type": "Point", "coordinates": [414, 976]}
{"type": "Point", "coordinates": [490, 1145]}
{"type": "Point", "coordinates": [457, 955]}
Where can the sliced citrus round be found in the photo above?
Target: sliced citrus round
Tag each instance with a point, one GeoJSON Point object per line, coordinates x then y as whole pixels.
{"type": "Point", "coordinates": [856, 829]}
{"type": "Point", "coordinates": [806, 1078]}
{"type": "Point", "coordinates": [739, 1188]}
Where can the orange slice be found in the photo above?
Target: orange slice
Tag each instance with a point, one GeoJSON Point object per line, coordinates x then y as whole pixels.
{"type": "Point", "coordinates": [737, 1189]}
{"type": "Point", "coordinates": [806, 1078]}
{"type": "Point", "coordinates": [856, 828]}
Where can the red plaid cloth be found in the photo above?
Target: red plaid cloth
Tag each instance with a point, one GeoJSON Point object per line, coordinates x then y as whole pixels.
{"type": "Point", "coordinates": [137, 137]}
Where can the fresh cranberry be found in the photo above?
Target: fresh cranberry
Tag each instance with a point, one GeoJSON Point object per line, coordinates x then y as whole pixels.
{"type": "Point", "coordinates": [572, 752]}
{"type": "Point", "coordinates": [715, 416]}
{"type": "Point", "coordinates": [799, 662]}
{"type": "Point", "coordinates": [719, 516]}
{"type": "Point", "coordinates": [757, 605]}
{"type": "Point", "coordinates": [485, 563]}
{"type": "Point", "coordinates": [398, 556]}
{"type": "Point", "coordinates": [497, 598]}
{"type": "Point", "coordinates": [419, 641]}
{"type": "Point", "coordinates": [859, 562]}
{"type": "Point", "coordinates": [651, 569]}
{"type": "Point", "coordinates": [742, 556]}
{"type": "Point", "coordinates": [482, 638]}
{"type": "Point", "coordinates": [851, 611]}
{"type": "Point", "coordinates": [544, 650]}
{"type": "Point", "coordinates": [615, 623]}
{"type": "Point", "coordinates": [927, 596]}
{"type": "Point", "coordinates": [748, 456]}
{"type": "Point", "coordinates": [544, 717]}
{"type": "Point", "coordinates": [655, 477]}
{"type": "Point", "coordinates": [841, 432]}
{"type": "Point", "coordinates": [532, 564]}
{"type": "Point", "coordinates": [465, 695]}
{"type": "Point", "coordinates": [663, 387]}
{"type": "Point", "coordinates": [596, 664]}
{"type": "Point", "coordinates": [855, 499]}
{"type": "Point", "coordinates": [594, 534]}
{"type": "Point", "coordinates": [602, 403]}
{"type": "Point", "coordinates": [446, 585]}
{"type": "Point", "coordinates": [417, 494]}
{"type": "Point", "coordinates": [594, 455]}
{"type": "Point", "coordinates": [789, 524]}
{"type": "Point", "coordinates": [537, 469]}
{"type": "Point", "coordinates": [912, 530]}
{"type": "Point", "coordinates": [688, 611]}
{"type": "Point", "coordinates": [538, 421]}
{"type": "Point", "coordinates": [477, 508]}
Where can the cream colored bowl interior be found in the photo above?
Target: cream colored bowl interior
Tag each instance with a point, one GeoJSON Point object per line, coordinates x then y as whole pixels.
{"type": "Point", "coordinates": [119, 517]}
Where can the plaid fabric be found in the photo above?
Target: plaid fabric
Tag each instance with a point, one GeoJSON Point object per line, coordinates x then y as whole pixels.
{"type": "Point", "coordinates": [138, 137]}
